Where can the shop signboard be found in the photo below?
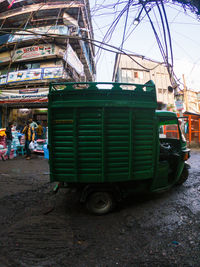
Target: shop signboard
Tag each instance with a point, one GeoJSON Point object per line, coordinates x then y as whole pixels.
{"type": "Point", "coordinates": [72, 59]}
{"type": "Point", "coordinates": [33, 74]}
{"type": "Point", "coordinates": [53, 73]}
{"type": "Point", "coordinates": [24, 75]}
{"type": "Point", "coordinates": [24, 95]}
{"type": "Point", "coordinates": [38, 32]}
{"type": "Point", "coordinates": [32, 52]}
{"type": "Point", "coordinates": [3, 79]}
{"type": "Point", "coordinates": [179, 105]}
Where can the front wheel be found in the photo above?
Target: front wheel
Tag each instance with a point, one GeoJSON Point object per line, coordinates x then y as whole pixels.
{"type": "Point", "coordinates": [100, 202]}
{"type": "Point", "coordinates": [183, 177]}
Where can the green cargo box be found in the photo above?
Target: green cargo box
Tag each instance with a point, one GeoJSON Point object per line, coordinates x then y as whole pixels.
{"type": "Point", "coordinates": [102, 135]}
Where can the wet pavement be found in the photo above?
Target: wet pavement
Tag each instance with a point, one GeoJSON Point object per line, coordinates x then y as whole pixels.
{"type": "Point", "coordinates": [39, 228]}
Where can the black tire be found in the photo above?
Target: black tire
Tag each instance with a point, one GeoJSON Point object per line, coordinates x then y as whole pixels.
{"type": "Point", "coordinates": [100, 203]}
{"type": "Point", "coordinates": [183, 177]}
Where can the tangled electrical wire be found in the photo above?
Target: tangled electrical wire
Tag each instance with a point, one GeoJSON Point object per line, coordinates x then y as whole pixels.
{"type": "Point", "coordinates": [110, 48]}
{"type": "Point", "coordinates": [193, 5]}
{"type": "Point", "coordinates": [144, 8]}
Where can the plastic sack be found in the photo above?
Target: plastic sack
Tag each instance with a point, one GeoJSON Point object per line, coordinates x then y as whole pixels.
{"type": "Point", "coordinates": [31, 145]}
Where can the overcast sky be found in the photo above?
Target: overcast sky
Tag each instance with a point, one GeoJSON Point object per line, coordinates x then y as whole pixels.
{"type": "Point", "coordinates": [184, 29]}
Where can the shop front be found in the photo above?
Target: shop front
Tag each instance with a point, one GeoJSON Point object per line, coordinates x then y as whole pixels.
{"type": "Point", "coordinates": [19, 105]}
{"type": "Point", "coordinates": [192, 128]}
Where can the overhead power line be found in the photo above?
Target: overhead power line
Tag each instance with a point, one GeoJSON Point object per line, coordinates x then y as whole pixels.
{"type": "Point", "coordinates": [99, 44]}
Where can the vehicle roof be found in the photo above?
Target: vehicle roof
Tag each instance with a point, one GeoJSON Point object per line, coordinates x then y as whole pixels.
{"type": "Point", "coordinates": [88, 94]}
{"type": "Point", "coordinates": [164, 113]}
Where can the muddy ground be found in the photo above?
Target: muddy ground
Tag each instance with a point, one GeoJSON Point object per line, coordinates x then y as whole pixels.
{"type": "Point", "coordinates": [39, 228]}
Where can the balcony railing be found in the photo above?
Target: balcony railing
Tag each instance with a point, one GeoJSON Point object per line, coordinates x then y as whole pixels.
{"type": "Point", "coordinates": [35, 33]}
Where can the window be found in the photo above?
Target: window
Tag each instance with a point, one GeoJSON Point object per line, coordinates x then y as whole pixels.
{"type": "Point", "coordinates": [126, 75]}
{"type": "Point", "coordinates": [24, 66]}
{"type": "Point", "coordinates": [169, 130]}
{"type": "Point", "coordinates": [129, 74]}
{"type": "Point", "coordinates": [136, 74]}
{"type": "Point", "coordinates": [3, 71]}
{"type": "Point", "coordinates": [141, 75]}
{"type": "Point", "coordinates": [29, 65]}
{"type": "Point", "coordinates": [165, 91]}
{"type": "Point", "coordinates": [58, 63]}
{"type": "Point", "coordinates": [35, 65]}
{"type": "Point", "coordinates": [124, 80]}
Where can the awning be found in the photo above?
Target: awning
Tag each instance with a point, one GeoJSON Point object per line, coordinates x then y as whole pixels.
{"type": "Point", "coordinates": [25, 105]}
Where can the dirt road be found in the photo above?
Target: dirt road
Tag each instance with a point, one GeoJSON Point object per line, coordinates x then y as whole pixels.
{"type": "Point", "coordinates": [39, 228]}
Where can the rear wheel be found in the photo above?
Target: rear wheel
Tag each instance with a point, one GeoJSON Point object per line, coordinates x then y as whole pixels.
{"type": "Point", "coordinates": [100, 202]}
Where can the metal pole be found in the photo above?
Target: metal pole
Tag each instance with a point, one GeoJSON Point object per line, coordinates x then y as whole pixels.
{"type": "Point", "coordinates": [199, 131]}
{"type": "Point", "coordinates": [190, 129]}
{"type": "Point", "coordinates": [185, 94]}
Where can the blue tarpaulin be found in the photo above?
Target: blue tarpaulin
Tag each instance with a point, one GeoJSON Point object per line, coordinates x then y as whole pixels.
{"type": "Point", "coordinates": [4, 38]}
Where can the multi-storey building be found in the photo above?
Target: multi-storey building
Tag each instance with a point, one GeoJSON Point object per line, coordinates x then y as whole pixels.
{"type": "Point", "coordinates": [138, 69]}
{"type": "Point", "coordinates": [40, 42]}
{"type": "Point", "coordinates": [192, 112]}
{"type": "Point", "coordinates": [191, 101]}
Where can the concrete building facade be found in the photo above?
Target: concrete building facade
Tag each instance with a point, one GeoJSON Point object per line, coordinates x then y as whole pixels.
{"type": "Point", "coordinates": [138, 69]}
{"type": "Point", "coordinates": [191, 101]}
{"type": "Point", "coordinates": [40, 42]}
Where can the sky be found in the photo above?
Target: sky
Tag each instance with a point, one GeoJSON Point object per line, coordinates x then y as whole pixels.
{"type": "Point", "coordinates": [140, 39]}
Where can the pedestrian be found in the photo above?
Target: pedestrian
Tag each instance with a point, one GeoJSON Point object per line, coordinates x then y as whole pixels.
{"type": "Point", "coordinates": [33, 123]}
{"type": "Point", "coordinates": [39, 131]}
{"type": "Point", "coordinates": [8, 141]}
{"type": "Point", "coordinates": [29, 133]}
{"type": "Point", "coordinates": [19, 128]}
{"type": "Point", "coordinates": [44, 132]}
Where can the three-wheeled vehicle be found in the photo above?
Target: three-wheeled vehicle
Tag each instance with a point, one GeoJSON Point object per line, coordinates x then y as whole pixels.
{"type": "Point", "coordinates": [108, 143]}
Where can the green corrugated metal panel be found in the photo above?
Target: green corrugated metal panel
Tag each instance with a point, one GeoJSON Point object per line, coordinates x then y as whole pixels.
{"type": "Point", "coordinates": [101, 135]}
{"type": "Point", "coordinates": [144, 131]}
{"type": "Point", "coordinates": [120, 132]}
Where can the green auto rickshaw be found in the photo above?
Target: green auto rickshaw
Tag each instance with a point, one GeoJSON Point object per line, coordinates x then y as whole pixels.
{"type": "Point", "coordinates": [110, 142]}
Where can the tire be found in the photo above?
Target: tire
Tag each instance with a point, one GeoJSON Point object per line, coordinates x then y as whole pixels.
{"type": "Point", "coordinates": [100, 203]}
{"type": "Point", "coordinates": [183, 177]}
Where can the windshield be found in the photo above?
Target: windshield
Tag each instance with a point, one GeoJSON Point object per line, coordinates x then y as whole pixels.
{"type": "Point", "coordinates": [170, 129]}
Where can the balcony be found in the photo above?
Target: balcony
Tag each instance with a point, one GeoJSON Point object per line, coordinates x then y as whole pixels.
{"type": "Point", "coordinates": [39, 52]}
{"type": "Point", "coordinates": [37, 33]}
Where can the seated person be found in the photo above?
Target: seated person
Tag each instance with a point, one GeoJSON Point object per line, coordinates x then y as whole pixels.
{"type": "Point", "coordinates": [39, 131]}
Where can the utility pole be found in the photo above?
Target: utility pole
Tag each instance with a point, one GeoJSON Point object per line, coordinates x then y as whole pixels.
{"type": "Point", "coordinates": [185, 93]}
